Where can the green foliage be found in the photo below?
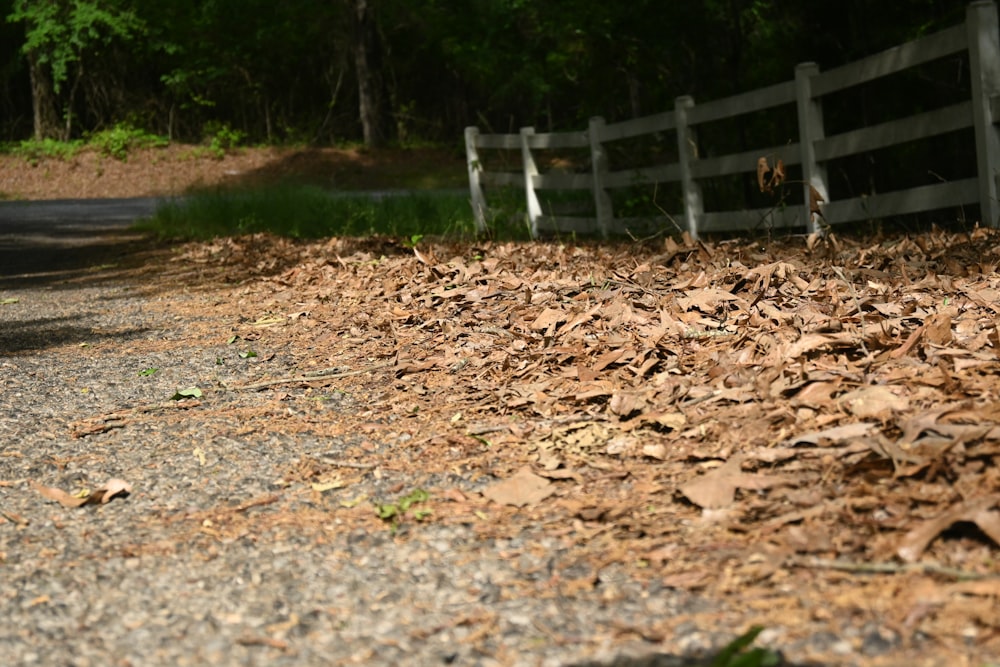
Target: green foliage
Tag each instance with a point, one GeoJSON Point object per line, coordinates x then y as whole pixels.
{"type": "Point", "coordinates": [736, 655]}
{"type": "Point", "coordinates": [59, 32]}
{"type": "Point", "coordinates": [301, 211]}
{"type": "Point", "coordinates": [395, 512]}
{"type": "Point", "coordinates": [222, 138]}
{"type": "Point", "coordinates": [189, 392]}
{"type": "Point", "coordinates": [122, 138]}
{"type": "Point", "coordinates": [34, 150]}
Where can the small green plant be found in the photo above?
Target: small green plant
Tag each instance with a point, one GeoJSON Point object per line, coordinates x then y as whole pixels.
{"type": "Point", "coordinates": [148, 372]}
{"type": "Point", "coordinates": [123, 138]}
{"type": "Point", "coordinates": [222, 138]}
{"type": "Point", "coordinates": [394, 512]}
{"type": "Point", "coordinates": [735, 654]}
{"type": "Point", "coordinates": [33, 151]}
{"type": "Point", "coordinates": [413, 240]}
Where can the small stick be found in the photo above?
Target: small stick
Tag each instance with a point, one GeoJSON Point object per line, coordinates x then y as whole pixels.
{"type": "Point", "coordinates": [299, 379]}
{"type": "Point", "coordinates": [857, 305]}
{"type": "Point", "coordinates": [889, 568]}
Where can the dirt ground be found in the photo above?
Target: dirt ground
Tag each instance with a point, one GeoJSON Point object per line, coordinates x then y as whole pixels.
{"type": "Point", "coordinates": [800, 434]}
{"type": "Point", "coordinates": [177, 169]}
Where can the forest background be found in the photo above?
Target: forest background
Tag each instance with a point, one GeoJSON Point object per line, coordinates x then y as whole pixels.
{"type": "Point", "coordinates": [411, 72]}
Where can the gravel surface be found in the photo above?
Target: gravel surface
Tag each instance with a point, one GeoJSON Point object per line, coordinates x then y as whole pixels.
{"type": "Point", "coordinates": [210, 560]}
{"type": "Point", "coordinates": [250, 535]}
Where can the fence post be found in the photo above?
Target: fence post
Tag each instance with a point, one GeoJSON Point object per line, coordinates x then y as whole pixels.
{"type": "Point", "coordinates": [984, 66]}
{"type": "Point", "coordinates": [475, 186]}
{"type": "Point", "coordinates": [530, 170]}
{"type": "Point", "coordinates": [810, 112]}
{"type": "Point", "coordinates": [687, 152]}
{"type": "Point", "coordinates": [599, 163]}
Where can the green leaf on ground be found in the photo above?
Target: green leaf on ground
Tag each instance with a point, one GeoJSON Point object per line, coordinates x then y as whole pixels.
{"type": "Point", "coordinates": [190, 392]}
{"type": "Point", "coordinates": [393, 512]}
{"type": "Point", "coordinates": [733, 654]}
{"type": "Point", "coordinates": [148, 372]}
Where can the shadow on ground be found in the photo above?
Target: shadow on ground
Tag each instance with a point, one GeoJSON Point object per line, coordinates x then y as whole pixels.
{"type": "Point", "coordinates": [38, 250]}
{"type": "Point", "coordinates": [362, 169]}
{"type": "Point", "coordinates": [18, 336]}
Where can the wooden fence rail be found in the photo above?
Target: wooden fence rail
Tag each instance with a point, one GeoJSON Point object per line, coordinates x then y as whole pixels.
{"type": "Point", "coordinates": [979, 36]}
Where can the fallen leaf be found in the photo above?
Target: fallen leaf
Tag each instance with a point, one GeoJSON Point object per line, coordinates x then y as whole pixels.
{"type": "Point", "coordinates": [873, 401]}
{"type": "Point", "coordinates": [762, 171]}
{"type": "Point", "coordinates": [113, 487]}
{"type": "Point", "coordinates": [524, 488]}
{"type": "Point", "coordinates": [833, 435]}
{"type": "Point", "coordinates": [190, 392]}
{"type": "Point", "coordinates": [979, 511]}
{"type": "Point", "coordinates": [815, 199]}
{"type": "Point", "coordinates": [321, 487]}
{"type": "Point", "coordinates": [717, 489]}
{"type": "Point", "coordinates": [548, 319]}
{"type": "Point", "coordinates": [656, 451]}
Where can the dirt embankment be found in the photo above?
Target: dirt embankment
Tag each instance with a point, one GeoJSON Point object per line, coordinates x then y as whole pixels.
{"type": "Point", "coordinates": [178, 169]}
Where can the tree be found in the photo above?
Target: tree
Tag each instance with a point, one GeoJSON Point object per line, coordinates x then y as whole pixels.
{"type": "Point", "coordinates": [367, 51]}
{"type": "Point", "coordinates": [58, 36]}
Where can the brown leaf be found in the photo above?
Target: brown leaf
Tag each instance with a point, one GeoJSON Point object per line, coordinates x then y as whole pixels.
{"type": "Point", "coordinates": [717, 489]}
{"type": "Point", "coordinates": [815, 199]}
{"type": "Point", "coordinates": [979, 511]}
{"type": "Point", "coordinates": [937, 328]}
{"type": "Point", "coordinates": [809, 342]}
{"type": "Point", "coordinates": [524, 488]}
{"type": "Point", "coordinates": [548, 319]}
{"type": "Point", "coordinates": [778, 175]}
{"type": "Point", "coordinates": [873, 401]}
{"type": "Point", "coordinates": [113, 487]}
{"type": "Point", "coordinates": [834, 435]}
{"type": "Point", "coordinates": [767, 178]}
{"type": "Point", "coordinates": [762, 171]}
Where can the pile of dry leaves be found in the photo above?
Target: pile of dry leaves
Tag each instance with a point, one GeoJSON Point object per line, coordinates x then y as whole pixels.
{"type": "Point", "coordinates": [812, 431]}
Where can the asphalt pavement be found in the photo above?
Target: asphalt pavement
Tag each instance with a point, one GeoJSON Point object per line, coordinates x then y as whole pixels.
{"type": "Point", "coordinates": [43, 240]}
{"type": "Point", "coordinates": [26, 216]}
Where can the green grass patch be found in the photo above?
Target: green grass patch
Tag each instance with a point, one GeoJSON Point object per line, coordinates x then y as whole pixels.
{"type": "Point", "coordinates": [115, 142]}
{"type": "Point", "coordinates": [119, 140]}
{"type": "Point", "coordinates": [33, 150]}
{"type": "Point", "coordinates": [303, 211]}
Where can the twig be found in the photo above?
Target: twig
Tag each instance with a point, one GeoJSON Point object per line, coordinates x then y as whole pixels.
{"type": "Point", "coordinates": [889, 568]}
{"type": "Point", "coordinates": [311, 377]}
{"type": "Point", "coordinates": [346, 464]}
{"type": "Point", "coordinates": [857, 305]}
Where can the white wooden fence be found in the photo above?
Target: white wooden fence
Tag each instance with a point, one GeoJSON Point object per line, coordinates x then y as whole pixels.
{"type": "Point", "coordinates": [979, 35]}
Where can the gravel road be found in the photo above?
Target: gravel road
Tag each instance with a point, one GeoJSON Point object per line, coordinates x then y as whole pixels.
{"type": "Point", "coordinates": [228, 551]}
{"type": "Point", "coordinates": [194, 567]}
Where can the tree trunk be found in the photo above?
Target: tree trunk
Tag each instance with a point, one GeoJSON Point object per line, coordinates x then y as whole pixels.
{"type": "Point", "coordinates": [368, 69]}
{"type": "Point", "coordinates": [43, 100]}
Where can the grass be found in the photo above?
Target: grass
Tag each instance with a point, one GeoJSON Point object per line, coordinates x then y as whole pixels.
{"type": "Point", "coordinates": [304, 211]}
{"type": "Point", "coordinates": [33, 150]}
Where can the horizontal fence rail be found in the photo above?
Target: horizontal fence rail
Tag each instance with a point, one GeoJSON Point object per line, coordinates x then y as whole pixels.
{"type": "Point", "coordinates": [979, 36]}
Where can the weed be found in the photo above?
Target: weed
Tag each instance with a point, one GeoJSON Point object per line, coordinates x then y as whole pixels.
{"type": "Point", "coordinates": [736, 653]}
{"type": "Point", "coordinates": [302, 211]}
{"type": "Point", "coordinates": [119, 140]}
{"type": "Point", "coordinates": [222, 138]}
{"type": "Point", "coordinates": [33, 151]}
